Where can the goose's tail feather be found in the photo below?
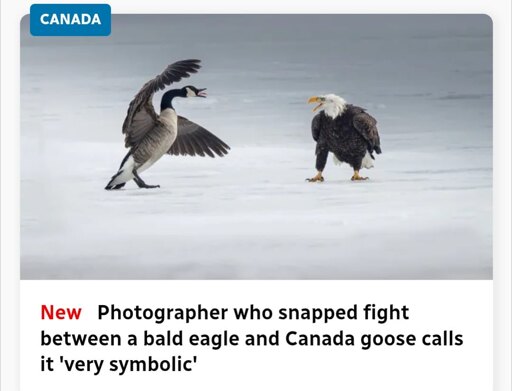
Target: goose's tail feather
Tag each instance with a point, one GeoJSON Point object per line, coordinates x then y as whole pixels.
{"type": "Point", "coordinates": [124, 174]}
{"type": "Point", "coordinates": [116, 183]}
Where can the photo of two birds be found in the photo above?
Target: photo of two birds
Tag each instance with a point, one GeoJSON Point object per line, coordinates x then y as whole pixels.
{"type": "Point", "coordinates": [259, 147]}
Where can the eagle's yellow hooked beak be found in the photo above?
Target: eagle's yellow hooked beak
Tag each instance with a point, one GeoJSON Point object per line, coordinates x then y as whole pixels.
{"type": "Point", "coordinates": [316, 99]}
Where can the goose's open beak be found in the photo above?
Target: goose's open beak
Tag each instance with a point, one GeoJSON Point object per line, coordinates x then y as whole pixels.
{"type": "Point", "coordinates": [201, 92]}
{"type": "Point", "coordinates": [316, 99]}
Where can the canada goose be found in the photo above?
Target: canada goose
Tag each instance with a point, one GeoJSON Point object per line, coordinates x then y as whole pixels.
{"type": "Point", "coordinates": [150, 136]}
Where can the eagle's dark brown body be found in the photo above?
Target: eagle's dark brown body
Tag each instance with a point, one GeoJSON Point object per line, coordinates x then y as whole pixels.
{"type": "Point", "coordinates": [350, 136]}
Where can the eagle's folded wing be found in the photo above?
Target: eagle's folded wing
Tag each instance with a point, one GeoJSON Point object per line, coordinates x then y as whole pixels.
{"type": "Point", "coordinates": [366, 125]}
{"type": "Point", "coordinates": [316, 124]}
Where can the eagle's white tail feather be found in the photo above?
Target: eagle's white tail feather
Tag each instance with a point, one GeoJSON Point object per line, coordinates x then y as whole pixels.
{"type": "Point", "coordinates": [367, 161]}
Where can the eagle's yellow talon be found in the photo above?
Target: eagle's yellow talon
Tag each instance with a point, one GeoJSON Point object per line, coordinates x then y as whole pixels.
{"type": "Point", "coordinates": [317, 178]}
{"type": "Point", "coordinates": [357, 177]}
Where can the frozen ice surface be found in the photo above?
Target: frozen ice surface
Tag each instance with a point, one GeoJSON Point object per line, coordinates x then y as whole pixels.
{"type": "Point", "coordinates": [425, 213]}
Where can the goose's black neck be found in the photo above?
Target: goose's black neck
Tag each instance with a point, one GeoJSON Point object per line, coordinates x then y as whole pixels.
{"type": "Point", "coordinates": [167, 98]}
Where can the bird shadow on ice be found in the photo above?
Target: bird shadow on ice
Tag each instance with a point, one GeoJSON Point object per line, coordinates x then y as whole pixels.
{"type": "Point", "coordinates": [344, 183]}
{"type": "Point", "coordinates": [146, 192]}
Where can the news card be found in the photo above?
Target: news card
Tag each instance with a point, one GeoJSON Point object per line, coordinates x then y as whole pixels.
{"type": "Point", "coordinates": [255, 200]}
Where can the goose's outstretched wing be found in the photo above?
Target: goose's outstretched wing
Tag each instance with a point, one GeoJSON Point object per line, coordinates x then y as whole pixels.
{"type": "Point", "coordinates": [141, 116]}
{"type": "Point", "coordinates": [195, 140]}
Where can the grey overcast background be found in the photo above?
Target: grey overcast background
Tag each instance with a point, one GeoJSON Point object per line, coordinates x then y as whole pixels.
{"type": "Point", "coordinates": [424, 214]}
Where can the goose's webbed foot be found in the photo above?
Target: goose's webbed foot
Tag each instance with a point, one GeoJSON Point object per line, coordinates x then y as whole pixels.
{"type": "Point", "coordinates": [138, 180]}
{"type": "Point", "coordinates": [145, 186]}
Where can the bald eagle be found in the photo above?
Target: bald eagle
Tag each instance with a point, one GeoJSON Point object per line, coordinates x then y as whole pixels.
{"type": "Point", "coordinates": [347, 131]}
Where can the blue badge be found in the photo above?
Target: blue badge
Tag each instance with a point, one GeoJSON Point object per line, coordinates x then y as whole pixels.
{"type": "Point", "coordinates": [70, 19]}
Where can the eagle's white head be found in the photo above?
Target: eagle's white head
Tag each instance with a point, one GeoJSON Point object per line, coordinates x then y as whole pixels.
{"type": "Point", "coordinates": [332, 105]}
